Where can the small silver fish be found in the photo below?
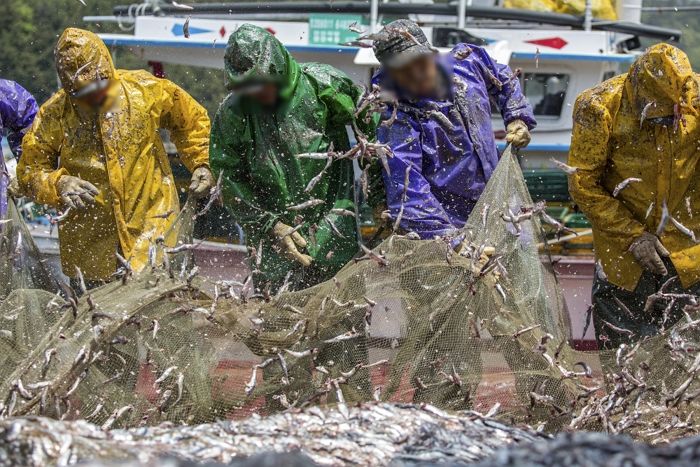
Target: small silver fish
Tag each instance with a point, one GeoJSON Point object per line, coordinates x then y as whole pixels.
{"type": "Point", "coordinates": [314, 155]}
{"type": "Point", "coordinates": [152, 254]}
{"type": "Point", "coordinates": [364, 45]}
{"type": "Point", "coordinates": [116, 415]}
{"type": "Point", "coordinates": [83, 354]}
{"type": "Point", "coordinates": [163, 401]}
{"type": "Point", "coordinates": [164, 215]}
{"type": "Point", "coordinates": [250, 386]}
{"type": "Point", "coordinates": [165, 375]}
{"type": "Point", "coordinates": [183, 247]}
{"type": "Point", "coordinates": [22, 391]}
{"type": "Point", "coordinates": [623, 184]}
{"type": "Point", "coordinates": [60, 218]}
{"type": "Point", "coordinates": [567, 169]}
{"type": "Point", "coordinates": [333, 227]}
{"type": "Point", "coordinates": [354, 27]}
{"type": "Point", "coordinates": [342, 212]}
{"type": "Point", "coordinates": [379, 259]}
{"type": "Point", "coordinates": [649, 210]}
{"type": "Point", "coordinates": [94, 413]}
{"type": "Point", "coordinates": [303, 353]}
{"type": "Point", "coordinates": [484, 215]}
{"type": "Point", "coordinates": [665, 217]}
{"type": "Point", "coordinates": [314, 181]}
{"type": "Point", "coordinates": [645, 111]}
{"type": "Point", "coordinates": [156, 328]}
{"type": "Point", "coordinates": [683, 229]}
{"type": "Point", "coordinates": [181, 6]}
{"type": "Point", "coordinates": [77, 382]}
{"type": "Point", "coordinates": [600, 272]}
{"type": "Point", "coordinates": [180, 386]}
{"type": "Point", "coordinates": [343, 337]}
{"type": "Point", "coordinates": [306, 205]}
{"type": "Point", "coordinates": [524, 330]}
{"type": "Point", "coordinates": [186, 28]}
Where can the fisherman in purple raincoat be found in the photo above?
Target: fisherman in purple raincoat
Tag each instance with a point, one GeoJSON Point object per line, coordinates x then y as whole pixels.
{"type": "Point", "coordinates": [17, 111]}
{"type": "Point", "coordinates": [443, 128]}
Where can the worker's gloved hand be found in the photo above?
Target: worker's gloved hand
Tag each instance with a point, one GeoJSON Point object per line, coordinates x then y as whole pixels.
{"type": "Point", "coordinates": [13, 188]}
{"type": "Point", "coordinates": [202, 181]}
{"type": "Point", "coordinates": [288, 243]}
{"type": "Point", "coordinates": [518, 134]}
{"type": "Point", "coordinates": [76, 192]}
{"type": "Point", "coordinates": [648, 250]}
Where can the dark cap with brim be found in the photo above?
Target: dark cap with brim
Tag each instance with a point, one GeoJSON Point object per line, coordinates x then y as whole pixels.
{"type": "Point", "coordinates": [400, 42]}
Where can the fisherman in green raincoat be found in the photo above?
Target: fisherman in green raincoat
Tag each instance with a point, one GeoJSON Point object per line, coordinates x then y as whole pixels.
{"type": "Point", "coordinates": [278, 111]}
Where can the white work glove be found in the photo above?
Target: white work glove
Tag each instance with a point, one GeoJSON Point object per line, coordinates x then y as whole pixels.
{"type": "Point", "coordinates": [76, 192]}
{"type": "Point", "coordinates": [202, 181]}
{"type": "Point", "coordinates": [648, 250]}
{"type": "Point", "coordinates": [518, 134]}
{"type": "Point", "coordinates": [288, 243]}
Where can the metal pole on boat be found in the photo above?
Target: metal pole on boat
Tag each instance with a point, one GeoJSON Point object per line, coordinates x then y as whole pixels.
{"type": "Point", "coordinates": [588, 16]}
{"type": "Point", "coordinates": [373, 15]}
{"type": "Point", "coordinates": [462, 14]}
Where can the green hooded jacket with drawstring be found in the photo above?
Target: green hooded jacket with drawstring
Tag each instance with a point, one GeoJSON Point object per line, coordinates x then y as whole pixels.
{"type": "Point", "coordinates": [255, 148]}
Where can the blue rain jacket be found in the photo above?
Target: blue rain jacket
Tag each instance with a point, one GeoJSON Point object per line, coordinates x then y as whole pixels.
{"type": "Point", "coordinates": [448, 144]}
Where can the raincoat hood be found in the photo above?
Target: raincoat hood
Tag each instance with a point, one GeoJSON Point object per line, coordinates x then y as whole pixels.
{"type": "Point", "coordinates": [661, 78]}
{"type": "Point", "coordinates": [254, 56]}
{"type": "Point", "coordinates": [119, 150]}
{"type": "Point", "coordinates": [81, 60]}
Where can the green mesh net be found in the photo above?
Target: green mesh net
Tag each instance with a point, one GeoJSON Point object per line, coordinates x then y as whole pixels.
{"type": "Point", "coordinates": [414, 321]}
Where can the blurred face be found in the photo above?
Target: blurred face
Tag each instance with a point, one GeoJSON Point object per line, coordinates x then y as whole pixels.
{"type": "Point", "coordinates": [94, 100]}
{"type": "Point", "coordinates": [419, 78]}
{"type": "Point", "coordinates": [266, 96]}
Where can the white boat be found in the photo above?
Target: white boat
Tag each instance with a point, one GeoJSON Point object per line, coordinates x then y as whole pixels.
{"type": "Point", "coordinates": [557, 59]}
{"type": "Point", "coordinates": [559, 56]}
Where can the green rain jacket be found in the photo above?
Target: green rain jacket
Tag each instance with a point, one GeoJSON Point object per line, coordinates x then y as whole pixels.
{"type": "Point", "coordinates": [255, 148]}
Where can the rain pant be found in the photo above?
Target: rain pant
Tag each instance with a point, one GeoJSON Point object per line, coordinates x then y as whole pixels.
{"type": "Point", "coordinates": [637, 324]}
{"type": "Point", "coordinates": [17, 111]}
{"type": "Point", "coordinates": [625, 127]}
{"type": "Point", "coordinates": [118, 149]}
{"type": "Point", "coordinates": [255, 148]}
{"type": "Point", "coordinates": [449, 145]}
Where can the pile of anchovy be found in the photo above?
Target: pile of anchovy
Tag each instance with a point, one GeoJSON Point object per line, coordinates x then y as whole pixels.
{"type": "Point", "coordinates": [372, 434]}
{"type": "Point", "coordinates": [596, 449]}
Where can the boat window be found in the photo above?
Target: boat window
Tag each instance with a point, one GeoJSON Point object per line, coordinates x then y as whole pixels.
{"type": "Point", "coordinates": [608, 74]}
{"type": "Point", "coordinates": [546, 92]}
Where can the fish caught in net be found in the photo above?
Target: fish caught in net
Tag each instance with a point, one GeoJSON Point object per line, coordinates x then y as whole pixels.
{"type": "Point", "coordinates": [374, 434]}
{"type": "Point", "coordinates": [481, 327]}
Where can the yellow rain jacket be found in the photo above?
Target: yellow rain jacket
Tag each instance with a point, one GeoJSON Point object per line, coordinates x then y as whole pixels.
{"type": "Point", "coordinates": [645, 125]}
{"type": "Point", "coordinates": [118, 149]}
{"type": "Point", "coordinates": [602, 9]}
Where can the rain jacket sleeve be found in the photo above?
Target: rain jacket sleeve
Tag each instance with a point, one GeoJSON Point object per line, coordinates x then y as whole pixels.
{"type": "Point", "coordinates": [505, 89]}
{"type": "Point", "coordinates": [589, 153]}
{"type": "Point", "coordinates": [340, 94]}
{"type": "Point", "coordinates": [238, 191]}
{"type": "Point", "coordinates": [188, 123]}
{"type": "Point", "coordinates": [37, 170]}
{"type": "Point", "coordinates": [17, 111]}
{"type": "Point", "coordinates": [422, 212]}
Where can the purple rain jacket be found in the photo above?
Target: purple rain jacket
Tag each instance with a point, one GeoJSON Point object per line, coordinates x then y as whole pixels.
{"type": "Point", "coordinates": [448, 144]}
{"type": "Point", "coordinates": [17, 111]}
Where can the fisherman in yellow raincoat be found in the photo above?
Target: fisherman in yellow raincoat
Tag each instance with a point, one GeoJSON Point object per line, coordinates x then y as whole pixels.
{"type": "Point", "coordinates": [636, 147]}
{"type": "Point", "coordinates": [95, 148]}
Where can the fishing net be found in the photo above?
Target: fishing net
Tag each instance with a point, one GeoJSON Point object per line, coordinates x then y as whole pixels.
{"type": "Point", "coordinates": [412, 321]}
